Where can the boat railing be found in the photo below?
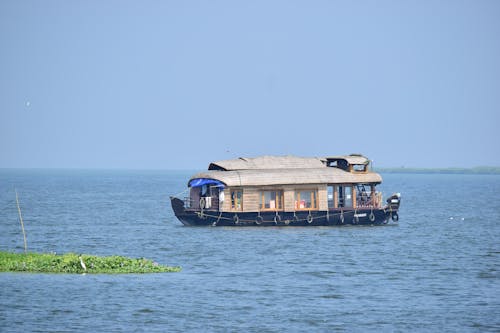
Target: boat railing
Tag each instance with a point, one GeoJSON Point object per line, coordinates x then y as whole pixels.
{"type": "Point", "coordinates": [370, 201]}
{"type": "Point", "coordinates": [188, 202]}
{"type": "Point", "coordinates": [207, 203]}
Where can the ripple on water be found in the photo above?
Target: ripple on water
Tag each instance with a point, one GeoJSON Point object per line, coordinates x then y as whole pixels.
{"type": "Point", "coordinates": [428, 273]}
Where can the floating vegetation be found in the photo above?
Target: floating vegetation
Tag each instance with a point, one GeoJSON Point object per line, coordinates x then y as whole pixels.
{"type": "Point", "coordinates": [78, 264]}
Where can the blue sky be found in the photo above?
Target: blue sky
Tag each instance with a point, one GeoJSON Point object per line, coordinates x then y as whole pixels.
{"type": "Point", "coordinates": [177, 84]}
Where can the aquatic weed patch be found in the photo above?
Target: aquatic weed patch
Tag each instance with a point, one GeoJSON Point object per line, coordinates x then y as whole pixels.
{"type": "Point", "coordinates": [74, 263]}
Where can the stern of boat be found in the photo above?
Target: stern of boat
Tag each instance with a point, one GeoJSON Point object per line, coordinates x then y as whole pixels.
{"type": "Point", "coordinates": [392, 207]}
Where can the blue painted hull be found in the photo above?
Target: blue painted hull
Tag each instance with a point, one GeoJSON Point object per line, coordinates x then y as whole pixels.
{"type": "Point", "coordinates": [332, 217]}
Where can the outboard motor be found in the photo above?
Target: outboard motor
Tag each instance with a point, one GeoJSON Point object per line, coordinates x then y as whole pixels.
{"type": "Point", "coordinates": [393, 203]}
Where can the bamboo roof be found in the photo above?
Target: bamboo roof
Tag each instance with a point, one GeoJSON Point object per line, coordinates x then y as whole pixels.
{"type": "Point", "coordinates": [268, 162]}
{"type": "Point", "coordinates": [290, 176]}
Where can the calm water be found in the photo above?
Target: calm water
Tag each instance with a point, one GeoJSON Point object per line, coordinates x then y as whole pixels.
{"type": "Point", "coordinates": [437, 270]}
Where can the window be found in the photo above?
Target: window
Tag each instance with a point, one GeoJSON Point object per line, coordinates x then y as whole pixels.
{"type": "Point", "coordinates": [330, 196]}
{"type": "Point", "coordinates": [306, 199]}
{"type": "Point", "coordinates": [236, 200]}
{"type": "Point", "coordinates": [359, 167]}
{"type": "Point", "coordinates": [271, 200]}
{"type": "Point", "coordinates": [348, 196]}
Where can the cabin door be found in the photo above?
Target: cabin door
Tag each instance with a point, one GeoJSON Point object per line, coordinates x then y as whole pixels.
{"type": "Point", "coordinates": [216, 197]}
{"type": "Point", "coordinates": [344, 195]}
{"type": "Point", "coordinates": [213, 197]}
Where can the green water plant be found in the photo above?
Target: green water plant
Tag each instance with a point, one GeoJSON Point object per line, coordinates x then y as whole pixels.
{"type": "Point", "coordinates": [78, 264]}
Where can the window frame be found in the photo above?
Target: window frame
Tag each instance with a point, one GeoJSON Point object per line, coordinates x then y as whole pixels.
{"type": "Point", "coordinates": [279, 199]}
{"type": "Point", "coordinates": [313, 199]}
{"type": "Point", "coordinates": [232, 203]}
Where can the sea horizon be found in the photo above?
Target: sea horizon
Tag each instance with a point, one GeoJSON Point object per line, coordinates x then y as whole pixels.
{"type": "Point", "coordinates": [494, 170]}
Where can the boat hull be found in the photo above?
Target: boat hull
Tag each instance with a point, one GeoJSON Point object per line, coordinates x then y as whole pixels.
{"type": "Point", "coordinates": [332, 217]}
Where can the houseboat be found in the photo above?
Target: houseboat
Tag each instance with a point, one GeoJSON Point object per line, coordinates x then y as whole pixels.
{"type": "Point", "coordinates": [286, 191]}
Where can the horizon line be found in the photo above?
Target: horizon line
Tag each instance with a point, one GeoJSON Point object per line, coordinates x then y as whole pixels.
{"type": "Point", "coordinates": [403, 169]}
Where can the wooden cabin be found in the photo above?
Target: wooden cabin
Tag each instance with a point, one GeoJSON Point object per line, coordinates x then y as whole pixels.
{"type": "Point", "coordinates": [285, 184]}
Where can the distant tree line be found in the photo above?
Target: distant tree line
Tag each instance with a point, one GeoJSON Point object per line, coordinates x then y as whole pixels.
{"type": "Point", "coordinates": [481, 170]}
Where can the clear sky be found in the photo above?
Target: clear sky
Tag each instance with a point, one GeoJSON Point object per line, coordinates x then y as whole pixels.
{"type": "Point", "coordinates": [177, 84]}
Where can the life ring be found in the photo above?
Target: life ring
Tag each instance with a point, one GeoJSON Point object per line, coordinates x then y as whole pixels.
{"type": "Point", "coordinates": [372, 217]}
{"type": "Point", "coordinates": [202, 203]}
{"type": "Point", "coordinates": [236, 219]}
{"type": "Point", "coordinates": [259, 220]}
{"type": "Point", "coordinates": [310, 218]}
{"type": "Point", "coordinates": [277, 219]}
{"type": "Point", "coordinates": [395, 217]}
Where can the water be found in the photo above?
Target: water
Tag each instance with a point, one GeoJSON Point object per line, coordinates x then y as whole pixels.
{"type": "Point", "coordinates": [437, 270]}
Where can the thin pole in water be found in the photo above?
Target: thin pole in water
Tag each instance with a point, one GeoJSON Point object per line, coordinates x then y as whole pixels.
{"type": "Point", "coordinates": [22, 224]}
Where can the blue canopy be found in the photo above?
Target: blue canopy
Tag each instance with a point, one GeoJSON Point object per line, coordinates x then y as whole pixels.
{"type": "Point", "coordinates": [197, 182]}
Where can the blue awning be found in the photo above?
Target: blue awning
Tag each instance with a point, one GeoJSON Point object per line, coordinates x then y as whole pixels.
{"type": "Point", "coordinates": [197, 182]}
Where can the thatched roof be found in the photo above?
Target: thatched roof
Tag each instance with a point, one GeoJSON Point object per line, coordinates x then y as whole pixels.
{"type": "Point", "coordinates": [291, 176]}
{"type": "Point", "coordinates": [268, 162]}
{"type": "Point", "coordinates": [288, 170]}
